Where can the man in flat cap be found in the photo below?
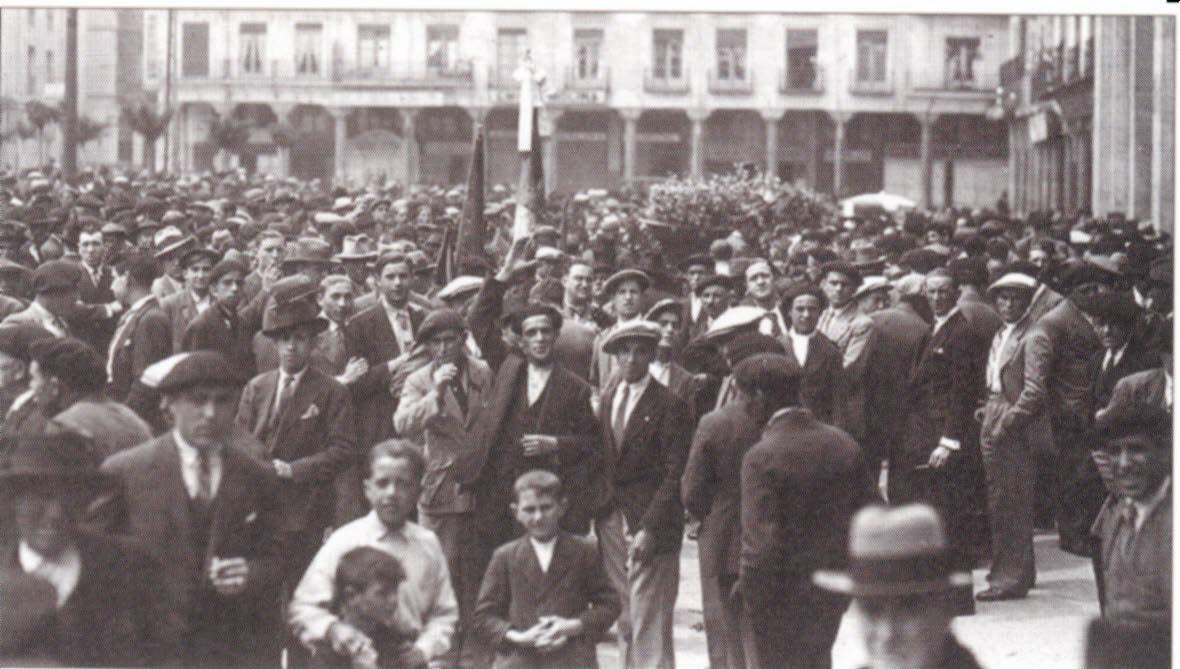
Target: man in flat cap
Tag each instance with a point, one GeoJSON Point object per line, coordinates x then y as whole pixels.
{"type": "Point", "coordinates": [72, 597]}
{"type": "Point", "coordinates": [185, 305]}
{"type": "Point", "coordinates": [209, 513]}
{"type": "Point", "coordinates": [852, 332]}
{"type": "Point", "coordinates": [16, 343]}
{"type": "Point", "coordinates": [625, 290]}
{"type": "Point", "coordinates": [905, 614]}
{"type": "Point", "coordinates": [441, 406]}
{"type": "Point", "coordinates": [144, 337]}
{"type": "Point", "coordinates": [646, 431]}
{"type": "Point", "coordinates": [304, 419]}
{"type": "Point", "coordinates": [68, 380]}
{"type": "Point", "coordinates": [220, 328]}
{"type": "Point", "coordinates": [55, 285]}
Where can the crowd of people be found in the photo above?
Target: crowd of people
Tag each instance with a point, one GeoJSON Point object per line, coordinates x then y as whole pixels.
{"type": "Point", "coordinates": [251, 421]}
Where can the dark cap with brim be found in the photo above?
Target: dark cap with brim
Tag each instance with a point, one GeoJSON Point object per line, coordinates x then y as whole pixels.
{"type": "Point", "coordinates": [186, 370]}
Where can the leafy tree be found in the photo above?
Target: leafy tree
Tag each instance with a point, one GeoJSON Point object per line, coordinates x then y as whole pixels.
{"type": "Point", "coordinates": [89, 130]}
{"type": "Point", "coordinates": [41, 116]}
{"type": "Point", "coordinates": [150, 125]}
{"type": "Point", "coordinates": [229, 135]}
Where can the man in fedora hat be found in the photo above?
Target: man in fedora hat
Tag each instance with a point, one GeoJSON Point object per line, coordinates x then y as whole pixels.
{"type": "Point", "coordinates": [900, 577]}
{"type": "Point", "coordinates": [183, 306]}
{"type": "Point", "coordinates": [357, 252]}
{"type": "Point", "coordinates": [168, 244]}
{"type": "Point", "coordinates": [72, 597]}
{"type": "Point", "coordinates": [801, 484]}
{"type": "Point", "coordinates": [304, 419]}
{"type": "Point", "coordinates": [200, 501]}
{"type": "Point", "coordinates": [441, 406]}
{"type": "Point", "coordinates": [220, 328]}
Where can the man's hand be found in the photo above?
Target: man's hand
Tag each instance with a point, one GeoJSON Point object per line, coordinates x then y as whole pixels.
{"type": "Point", "coordinates": [282, 469]}
{"type": "Point", "coordinates": [355, 369]}
{"type": "Point", "coordinates": [557, 632]}
{"type": "Point", "coordinates": [348, 640]}
{"type": "Point", "coordinates": [516, 262]}
{"type": "Point", "coordinates": [270, 275]}
{"type": "Point", "coordinates": [229, 575]}
{"type": "Point", "coordinates": [643, 546]}
{"type": "Point", "coordinates": [445, 374]}
{"type": "Point", "coordinates": [398, 361]}
{"type": "Point", "coordinates": [941, 455]}
{"type": "Point", "coordinates": [527, 638]}
{"type": "Point", "coordinates": [538, 444]}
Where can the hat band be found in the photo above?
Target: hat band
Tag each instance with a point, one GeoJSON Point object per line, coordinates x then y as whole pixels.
{"type": "Point", "coordinates": [910, 568]}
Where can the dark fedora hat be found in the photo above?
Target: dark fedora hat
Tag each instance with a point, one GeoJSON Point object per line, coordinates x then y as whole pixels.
{"type": "Point", "coordinates": [894, 552]}
{"type": "Point", "coordinates": [55, 460]}
{"type": "Point", "coordinates": [292, 305]}
{"type": "Point", "coordinates": [309, 250]}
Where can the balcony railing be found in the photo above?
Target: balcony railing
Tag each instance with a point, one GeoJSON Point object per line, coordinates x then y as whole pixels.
{"type": "Point", "coordinates": [337, 72]}
{"type": "Point", "coordinates": [800, 83]}
{"type": "Point", "coordinates": [731, 85]}
{"type": "Point", "coordinates": [859, 86]}
{"type": "Point", "coordinates": [666, 85]}
{"type": "Point", "coordinates": [587, 81]}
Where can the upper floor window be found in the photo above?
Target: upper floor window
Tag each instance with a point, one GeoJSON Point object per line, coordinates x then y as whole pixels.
{"type": "Point", "coordinates": [587, 53]}
{"type": "Point", "coordinates": [511, 44]}
{"type": "Point", "coordinates": [194, 45]}
{"type": "Point", "coordinates": [372, 47]}
{"type": "Point", "coordinates": [307, 47]}
{"type": "Point", "coordinates": [442, 47]}
{"type": "Point", "coordinates": [731, 53]}
{"type": "Point", "coordinates": [50, 73]}
{"type": "Point", "coordinates": [252, 47]}
{"type": "Point", "coordinates": [802, 54]}
{"type": "Point", "coordinates": [31, 70]}
{"type": "Point", "coordinates": [872, 48]}
{"type": "Point", "coordinates": [961, 54]}
{"type": "Point", "coordinates": [668, 54]}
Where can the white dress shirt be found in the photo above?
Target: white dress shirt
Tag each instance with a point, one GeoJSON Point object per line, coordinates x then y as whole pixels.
{"type": "Point", "coordinates": [202, 303]}
{"type": "Point", "coordinates": [993, 359]}
{"type": "Point", "coordinates": [55, 325]}
{"type": "Point", "coordinates": [283, 376]}
{"type": "Point", "coordinates": [544, 551]}
{"type": "Point", "coordinates": [1145, 508]}
{"type": "Point", "coordinates": [1113, 357]}
{"type": "Point", "coordinates": [800, 344]}
{"type": "Point", "coordinates": [190, 466]}
{"type": "Point", "coordinates": [425, 601]}
{"type": "Point", "coordinates": [403, 335]}
{"type": "Point", "coordinates": [634, 392]}
{"type": "Point", "coordinates": [62, 572]}
{"type": "Point", "coordinates": [660, 371]}
{"type": "Point", "coordinates": [939, 321]}
{"type": "Point", "coordinates": [538, 378]}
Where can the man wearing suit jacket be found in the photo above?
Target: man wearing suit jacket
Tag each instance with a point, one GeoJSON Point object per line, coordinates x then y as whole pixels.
{"type": "Point", "coordinates": [667, 315]}
{"type": "Point", "coordinates": [801, 484]}
{"type": "Point", "coordinates": [383, 335]}
{"type": "Point", "coordinates": [304, 419]}
{"type": "Point", "coordinates": [440, 405]}
{"type": "Point", "coordinates": [1126, 349]}
{"type": "Point", "coordinates": [72, 597]}
{"type": "Point", "coordinates": [538, 414]}
{"type": "Point", "coordinates": [144, 336]}
{"type": "Point", "coordinates": [647, 431]}
{"type": "Point", "coordinates": [220, 328]}
{"type": "Point", "coordinates": [852, 332]}
{"type": "Point", "coordinates": [711, 491]}
{"type": "Point", "coordinates": [1014, 430]}
{"type": "Point", "coordinates": [940, 461]}
{"type": "Point", "coordinates": [94, 288]}
{"type": "Point", "coordinates": [185, 305]}
{"type": "Point", "coordinates": [817, 358]}
{"type": "Point", "coordinates": [208, 512]}
{"type": "Point", "coordinates": [1151, 389]}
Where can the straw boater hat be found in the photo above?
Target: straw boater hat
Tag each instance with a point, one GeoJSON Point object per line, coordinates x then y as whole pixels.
{"type": "Point", "coordinates": [734, 320]}
{"type": "Point", "coordinates": [872, 284]}
{"type": "Point", "coordinates": [309, 250]}
{"type": "Point", "coordinates": [893, 552]}
{"type": "Point", "coordinates": [459, 287]}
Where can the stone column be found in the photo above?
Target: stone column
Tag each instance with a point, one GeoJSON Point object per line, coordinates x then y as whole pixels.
{"type": "Point", "coordinates": [696, 162]}
{"type": "Point", "coordinates": [410, 144]}
{"type": "Point", "coordinates": [630, 129]}
{"type": "Point", "coordinates": [549, 147]}
{"type": "Point", "coordinates": [771, 117]}
{"type": "Point", "coordinates": [340, 126]}
{"type": "Point", "coordinates": [926, 122]}
{"type": "Point", "coordinates": [841, 119]}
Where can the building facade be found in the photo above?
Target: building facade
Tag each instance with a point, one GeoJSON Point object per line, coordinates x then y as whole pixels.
{"type": "Point", "coordinates": [631, 96]}
{"type": "Point", "coordinates": [110, 48]}
{"type": "Point", "coordinates": [1090, 105]}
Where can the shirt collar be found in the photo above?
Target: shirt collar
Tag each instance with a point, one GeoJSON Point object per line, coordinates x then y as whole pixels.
{"type": "Point", "coordinates": [390, 309]}
{"type": "Point", "coordinates": [639, 386]}
{"type": "Point", "coordinates": [796, 335]}
{"type": "Point", "coordinates": [848, 309]}
{"type": "Point", "coordinates": [294, 377]}
{"type": "Point", "coordinates": [939, 321]}
{"type": "Point", "coordinates": [188, 452]}
{"type": "Point", "coordinates": [384, 532]}
{"type": "Point", "coordinates": [1145, 508]}
{"type": "Point", "coordinates": [31, 561]}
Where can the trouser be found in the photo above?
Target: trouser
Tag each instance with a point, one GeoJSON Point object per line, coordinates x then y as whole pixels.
{"type": "Point", "coordinates": [1010, 468]}
{"type": "Point", "coordinates": [795, 627]}
{"type": "Point", "coordinates": [460, 545]}
{"type": "Point", "coordinates": [648, 592]}
{"type": "Point", "coordinates": [723, 620]}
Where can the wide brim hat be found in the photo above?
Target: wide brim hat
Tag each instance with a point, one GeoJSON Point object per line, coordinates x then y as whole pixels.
{"type": "Point", "coordinates": [733, 320]}
{"type": "Point", "coordinates": [56, 460]}
{"type": "Point", "coordinates": [1013, 281]}
{"type": "Point", "coordinates": [637, 330]}
{"type": "Point", "coordinates": [612, 284]}
{"type": "Point", "coordinates": [460, 286]}
{"type": "Point", "coordinates": [192, 255]}
{"type": "Point", "coordinates": [894, 552]}
{"type": "Point", "coordinates": [872, 284]}
{"type": "Point", "coordinates": [357, 247]}
{"type": "Point", "coordinates": [723, 280]}
{"type": "Point", "coordinates": [667, 304]}
{"type": "Point", "coordinates": [181, 244]}
{"type": "Point", "coordinates": [310, 251]}
{"type": "Point", "coordinates": [292, 305]}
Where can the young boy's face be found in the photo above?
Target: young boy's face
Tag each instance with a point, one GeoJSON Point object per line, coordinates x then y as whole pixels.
{"type": "Point", "coordinates": [376, 604]}
{"type": "Point", "coordinates": [539, 514]}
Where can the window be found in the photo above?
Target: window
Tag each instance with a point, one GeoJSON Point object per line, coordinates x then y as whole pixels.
{"type": "Point", "coordinates": [372, 48]}
{"type": "Point", "coordinates": [802, 52]}
{"type": "Point", "coordinates": [587, 53]}
{"type": "Point", "coordinates": [49, 19]}
{"type": "Point", "coordinates": [871, 50]}
{"type": "Point", "coordinates": [511, 44]}
{"type": "Point", "coordinates": [307, 48]}
{"type": "Point", "coordinates": [194, 50]}
{"type": "Point", "coordinates": [731, 53]}
{"type": "Point", "coordinates": [442, 47]}
{"type": "Point", "coordinates": [668, 50]}
{"type": "Point", "coordinates": [252, 47]}
{"type": "Point", "coordinates": [50, 74]}
{"type": "Point", "coordinates": [31, 70]}
{"type": "Point", "coordinates": [961, 53]}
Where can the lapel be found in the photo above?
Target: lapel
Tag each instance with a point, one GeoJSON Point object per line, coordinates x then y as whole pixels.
{"type": "Point", "coordinates": [228, 500]}
{"type": "Point", "coordinates": [479, 378]}
{"type": "Point", "coordinates": [305, 392]}
{"type": "Point", "coordinates": [561, 563]}
{"type": "Point", "coordinates": [167, 473]}
{"type": "Point", "coordinates": [382, 338]}
{"type": "Point", "coordinates": [640, 419]}
{"type": "Point", "coordinates": [264, 400]}
{"type": "Point", "coordinates": [530, 566]}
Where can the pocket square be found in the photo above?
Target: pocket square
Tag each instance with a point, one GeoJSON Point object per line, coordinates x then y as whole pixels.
{"type": "Point", "coordinates": [312, 412]}
{"type": "Point", "coordinates": [250, 517]}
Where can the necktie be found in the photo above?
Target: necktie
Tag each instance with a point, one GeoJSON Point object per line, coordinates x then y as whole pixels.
{"type": "Point", "coordinates": [204, 478]}
{"type": "Point", "coordinates": [460, 394]}
{"type": "Point", "coordinates": [619, 424]}
{"type": "Point", "coordinates": [286, 384]}
{"type": "Point", "coordinates": [405, 335]}
{"type": "Point", "coordinates": [1130, 516]}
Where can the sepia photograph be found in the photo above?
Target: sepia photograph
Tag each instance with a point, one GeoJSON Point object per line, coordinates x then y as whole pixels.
{"type": "Point", "coordinates": [568, 336]}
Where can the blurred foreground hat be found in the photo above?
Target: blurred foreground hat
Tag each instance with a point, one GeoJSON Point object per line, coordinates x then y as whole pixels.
{"type": "Point", "coordinates": [56, 276]}
{"type": "Point", "coordinates": [459, 287]}
{"type": "Point", "coordinates": [440, 320]}
{"type": "Point", "coordinates": [893, 552]}
{"type": "Point", "coordinates": [195, 368]}
{"type": "Point", "coordinates": [637, 330]}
